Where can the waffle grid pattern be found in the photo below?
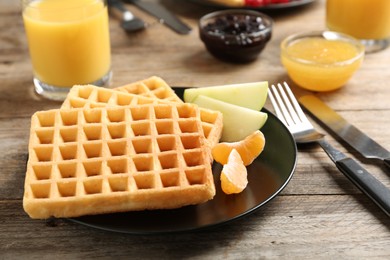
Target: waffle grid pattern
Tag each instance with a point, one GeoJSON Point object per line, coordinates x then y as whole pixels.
{"type": "Point", "coordinates": [89, 96]}
{"type": "Point", "coordinates": [153, 87]}
{"type": "Point", "coordinates": [113, 159]}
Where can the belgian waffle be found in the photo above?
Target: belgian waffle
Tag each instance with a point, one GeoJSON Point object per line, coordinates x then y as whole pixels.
{"type": "Point", "coordinates": [154, 87]}
{"type": "Point", "coordinates": [89, 96]}
{"type": "Point", "coordinates": [86, 161]}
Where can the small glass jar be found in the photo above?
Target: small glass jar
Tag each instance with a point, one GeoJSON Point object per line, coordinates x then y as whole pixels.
{"type": "Point", "coordinates": [321, 60]}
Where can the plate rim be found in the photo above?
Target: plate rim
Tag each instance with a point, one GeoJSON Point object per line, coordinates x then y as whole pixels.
{"type": "Point", "coordinates": [276, 6]}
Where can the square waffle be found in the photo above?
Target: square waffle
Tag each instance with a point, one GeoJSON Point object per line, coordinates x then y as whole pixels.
{"type": "Point", "coordinates": [87, 161]}
{"type": "Point", "coordinates": [90, 96]}
{"type": "Point", "coordinates": [153, 87]}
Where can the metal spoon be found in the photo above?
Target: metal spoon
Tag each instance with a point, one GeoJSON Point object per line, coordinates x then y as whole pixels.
{"type": "Point", "coordinates": [129, 23]}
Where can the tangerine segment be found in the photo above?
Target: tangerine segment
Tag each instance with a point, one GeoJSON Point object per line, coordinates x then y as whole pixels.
{"type": "Point", "coordinates": [234, 174]}
{"type": "Point", "coordinates": [249, 148]}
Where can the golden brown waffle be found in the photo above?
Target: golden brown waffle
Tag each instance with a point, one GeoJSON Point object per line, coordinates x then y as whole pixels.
{"type": "Point", "coordinates": [89, 96]}
{"type": "Point", "coordinates": [115, 159]}
{"type": "Point", "coordinates": [153, 87]}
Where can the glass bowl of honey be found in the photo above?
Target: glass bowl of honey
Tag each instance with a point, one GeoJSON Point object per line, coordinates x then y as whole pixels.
{"type": "Point", "coordinates": [321, 60]}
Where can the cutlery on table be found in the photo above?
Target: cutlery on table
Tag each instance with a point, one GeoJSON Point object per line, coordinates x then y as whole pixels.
{"type": "Point", "coordinates": [290, 113]}
{"type": "Point", "coordinates": [164, 15]}
{"type": "Point", "coordinates": [129, 23]}
{"type": "Point", "coordinates": [349, 133]}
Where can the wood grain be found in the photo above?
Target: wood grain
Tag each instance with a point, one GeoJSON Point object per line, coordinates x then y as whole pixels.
{"type": "Point", "coordinates": [320, 214]}
{"type": "Point", "coordinates": [333, 226]}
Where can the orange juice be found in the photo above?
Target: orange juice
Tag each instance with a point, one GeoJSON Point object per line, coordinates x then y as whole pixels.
{"type": "Point", "coordinates": [363, 19]}
{"type": "Point", "coordinates": [68, 41]}
{"type": "Point", "coordinates": [321, 64]}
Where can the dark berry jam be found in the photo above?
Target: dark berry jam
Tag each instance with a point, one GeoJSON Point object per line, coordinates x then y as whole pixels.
{"type": "Point", "coordinates": [235, 35]}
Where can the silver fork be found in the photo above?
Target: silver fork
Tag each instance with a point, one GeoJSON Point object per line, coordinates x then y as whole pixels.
{"type": "Point", "coordinates": [290, 113]}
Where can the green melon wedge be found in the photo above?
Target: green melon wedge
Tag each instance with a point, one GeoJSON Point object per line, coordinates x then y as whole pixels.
{"type": "Point", "coordinates": [238, 122]}
{"type": "Point", "coordinates": [250, 95]}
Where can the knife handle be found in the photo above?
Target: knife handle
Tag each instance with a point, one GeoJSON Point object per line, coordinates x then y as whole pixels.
{"type": "Point", "coordinates": [367, 183]}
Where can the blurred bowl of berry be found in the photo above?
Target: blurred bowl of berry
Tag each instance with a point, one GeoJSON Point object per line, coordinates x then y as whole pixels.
{"type": "Point", "coordinates": [235, 35]}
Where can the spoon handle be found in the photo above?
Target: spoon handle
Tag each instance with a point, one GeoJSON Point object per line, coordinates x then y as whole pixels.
{"type": "Point", "coordinates": [117, 4]}
{"type": "Point", "coordinates": [387, 162]}
{"type": "Point", "coordinates": [126, 15]}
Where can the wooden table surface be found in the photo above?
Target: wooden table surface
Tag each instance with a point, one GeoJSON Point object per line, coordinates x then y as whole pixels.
{"type": "Point", "coordinates": [320, 214]}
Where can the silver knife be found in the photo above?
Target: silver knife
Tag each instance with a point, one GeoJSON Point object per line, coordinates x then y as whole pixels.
{"type": "Point", "coordinates": [349, 133]}
{"type": "Point", "coordinates": [163, 14]}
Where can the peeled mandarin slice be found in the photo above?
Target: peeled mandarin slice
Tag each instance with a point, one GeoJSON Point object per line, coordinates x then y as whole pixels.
{"type": "Point", "coordinates": [234, 174]}
{"type": "Point", "coordinates": [249, 148]}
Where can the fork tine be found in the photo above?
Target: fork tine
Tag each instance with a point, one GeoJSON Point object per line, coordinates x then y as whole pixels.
{"type": "Point", "coordinates": [280, 108]}
{"type": "Point", "coordinates": [285, 111]}
{"type": "Point", "coordinates": [290, 108]}
{"type": "Point", "coordinates": [296, 105]}
{"type": "Point", "coordinates": [279, 114]}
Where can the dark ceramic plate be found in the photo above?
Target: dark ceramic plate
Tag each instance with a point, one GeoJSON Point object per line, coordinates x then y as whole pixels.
{"type": "Point", "coordinates": [267, 177]}
{"type": "Point", "coordinates": [290, 4]}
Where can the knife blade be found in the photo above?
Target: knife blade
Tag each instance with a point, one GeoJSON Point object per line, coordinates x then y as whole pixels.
{"type": "Point", "coordinates": [346, 131]}
{"type": "Point", "coordinates": [163, 14]}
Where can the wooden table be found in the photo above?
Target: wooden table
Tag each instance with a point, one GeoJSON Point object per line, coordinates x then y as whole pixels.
{"type": "Point", "coordinates": [320, 214]}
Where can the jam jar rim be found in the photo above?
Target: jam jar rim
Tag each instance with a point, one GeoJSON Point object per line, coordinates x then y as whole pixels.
{"type": "Point", "coordinates": [268, 24]}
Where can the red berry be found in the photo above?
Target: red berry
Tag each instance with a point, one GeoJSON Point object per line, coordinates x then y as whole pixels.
{"type": "Point", "coordinates": [257, 3]}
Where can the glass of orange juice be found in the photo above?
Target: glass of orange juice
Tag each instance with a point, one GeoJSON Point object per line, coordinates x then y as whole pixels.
{"type": "Point", "coordinates": [367, 20]}
{"type": "Point", "coordinates": [69, 44]}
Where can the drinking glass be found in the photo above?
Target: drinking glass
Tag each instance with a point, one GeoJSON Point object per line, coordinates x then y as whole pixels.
{"type": "Point", "coordinates": [69, 44]}
{"type": "Point", "coordinates": [367, 20]}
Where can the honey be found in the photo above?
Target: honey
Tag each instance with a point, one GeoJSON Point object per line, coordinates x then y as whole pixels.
{"type": "Point", "coordinates": [321, 64]}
